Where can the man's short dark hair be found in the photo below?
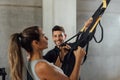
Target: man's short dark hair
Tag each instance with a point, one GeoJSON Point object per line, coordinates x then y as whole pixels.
{"type": "Point", "coordinates": [58, 28]}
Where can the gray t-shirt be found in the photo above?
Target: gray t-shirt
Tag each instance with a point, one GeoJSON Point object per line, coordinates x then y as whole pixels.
{"type": "Point", "coordinates": [32, 64]}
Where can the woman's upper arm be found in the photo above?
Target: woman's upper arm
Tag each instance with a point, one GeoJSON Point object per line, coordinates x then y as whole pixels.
{"type": "Point", "coordinates": [46, 71]}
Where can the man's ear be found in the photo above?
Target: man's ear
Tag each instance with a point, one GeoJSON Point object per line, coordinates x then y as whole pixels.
{"type": "Point", "coordinates": [65, 36]}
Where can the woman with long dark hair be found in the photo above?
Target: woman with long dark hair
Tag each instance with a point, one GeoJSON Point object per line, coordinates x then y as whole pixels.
{"type": "Point", "coordinates": [33, 40]}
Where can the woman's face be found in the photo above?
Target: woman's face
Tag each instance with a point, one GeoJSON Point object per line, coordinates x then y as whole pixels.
{"type": "Point", "coordinates": [43, 41]}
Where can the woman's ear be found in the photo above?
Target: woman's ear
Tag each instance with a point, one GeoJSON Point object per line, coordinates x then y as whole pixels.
{"type": "Point", "coordinates": [35, 43]}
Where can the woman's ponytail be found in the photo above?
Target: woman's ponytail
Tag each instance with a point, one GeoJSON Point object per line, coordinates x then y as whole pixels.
{"type": "Point", "coordinates": [15, 57]}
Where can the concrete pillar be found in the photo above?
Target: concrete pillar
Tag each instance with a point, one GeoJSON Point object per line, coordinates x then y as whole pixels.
{"type": "Point", "coordinates": [59, 12]}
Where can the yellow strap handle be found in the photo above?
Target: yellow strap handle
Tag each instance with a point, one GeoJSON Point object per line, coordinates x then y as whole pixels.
{"type": "Point", "coordinates": [87, 24]}
{"type": "Point", "coordinates": [95, 24]}
{"type": "Point", "coordinates": [104, 4]}
{"type": "Point", "coordinates": [83, 29]}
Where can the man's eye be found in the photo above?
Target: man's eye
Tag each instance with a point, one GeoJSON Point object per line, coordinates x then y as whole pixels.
{"type": "Point", "coordinates": [55, 36]}
{"type": "Point", "coordinates": [60, 35]}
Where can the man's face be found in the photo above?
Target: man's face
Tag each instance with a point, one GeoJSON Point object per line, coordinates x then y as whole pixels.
{"type": "Point", "coordinates": [58, 37]}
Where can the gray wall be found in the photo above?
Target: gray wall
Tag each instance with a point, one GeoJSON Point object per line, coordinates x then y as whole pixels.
{"type": "Point", "coordinates": [103, 62]}
{"type": "Point", "coordinates": [103, 59]}
{"type": "Point", "coordinates": [15, 15]}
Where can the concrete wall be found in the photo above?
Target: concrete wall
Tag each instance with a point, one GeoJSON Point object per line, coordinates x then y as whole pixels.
{"type": "Point", "coordinates": [15, 15]}
{"type": "Point", "coordinates": [103, 62]}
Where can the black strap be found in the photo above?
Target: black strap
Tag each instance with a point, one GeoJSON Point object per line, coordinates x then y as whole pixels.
{"type": "Point", "coordinates": [85, 57]}
{"type": "Point", "coordinates": [102, 33]}
{"type": "Point", "coordinates": [83, 38]}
